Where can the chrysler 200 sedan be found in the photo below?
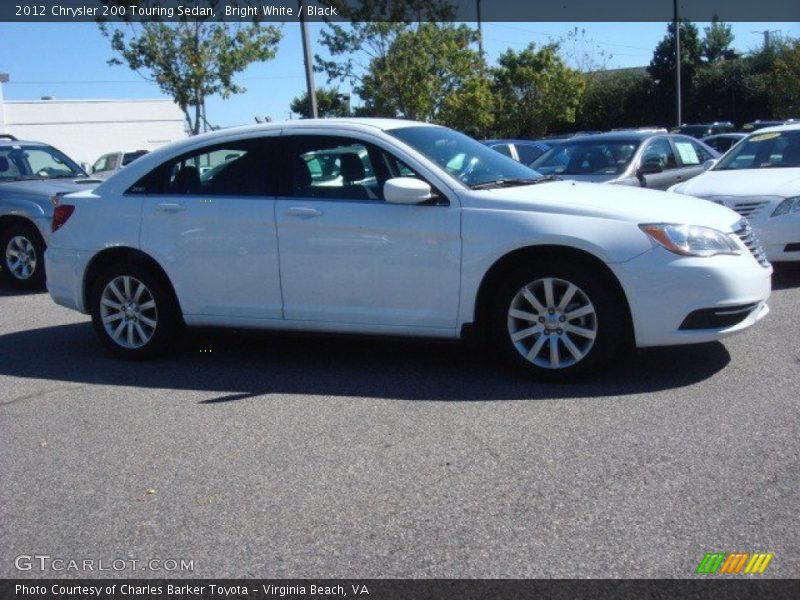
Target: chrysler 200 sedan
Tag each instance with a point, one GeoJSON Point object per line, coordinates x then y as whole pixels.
{"type": "Point", "coordinates": [397, 228]}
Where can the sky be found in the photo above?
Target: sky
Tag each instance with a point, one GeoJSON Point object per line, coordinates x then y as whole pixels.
{"type": "Point", "coordinates": [69, 61]}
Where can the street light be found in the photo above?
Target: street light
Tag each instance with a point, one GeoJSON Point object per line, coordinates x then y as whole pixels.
{"type": "Point", "coordinates": [678, 108]}
{"type": "Point", "coordinates": [312, 92]}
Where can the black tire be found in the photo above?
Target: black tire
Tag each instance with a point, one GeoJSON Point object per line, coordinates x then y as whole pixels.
{"type": "Point", "coordinates": [15, 273]}
{"type": "Point", "coordinates": [165, 313]}
{"type": "Point", "coordinates": [608, 322]}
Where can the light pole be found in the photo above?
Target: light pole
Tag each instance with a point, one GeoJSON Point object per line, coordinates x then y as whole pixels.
{"type": "Point", "coordinates": [678, 107]}
{"type": "Point", "coordinates": [480, 29]}
{"type": "Point", "coordinates": [312, 92]}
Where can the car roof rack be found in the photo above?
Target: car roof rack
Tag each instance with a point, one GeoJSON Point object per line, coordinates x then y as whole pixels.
{"type": "Point", "coordinates": [8, 136]}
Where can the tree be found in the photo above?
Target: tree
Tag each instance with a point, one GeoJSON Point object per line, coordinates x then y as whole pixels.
{"type": "Point", "coordinates": [191, 61]}
{"type": "Point", "coordinates": [619, 98]}
{"type": "Point", "coordinates": [429, 73]}
{"type": "Point", "coordinates": [330, 103]}
{"type": "Point", "coordinates": [534, 90]}
{"type": "Point", "coordinates": [785, 99]}
{"type": "Point", "coordinates": [662, 67]}
{"type": "Point", "coordinates": [717, 42]}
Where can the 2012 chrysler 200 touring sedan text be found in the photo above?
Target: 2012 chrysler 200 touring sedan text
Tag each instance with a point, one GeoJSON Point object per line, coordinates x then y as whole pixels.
{"type": "Point", "coordinates": [396, 227]}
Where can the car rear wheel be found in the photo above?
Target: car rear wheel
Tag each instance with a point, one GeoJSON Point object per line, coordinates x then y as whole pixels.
{"type": "Point", "coordinates": [23, 256]}
{"type": "Point", "coordinates": [134, 312]}
{"type": "Point", "coordinates": [558, 323]}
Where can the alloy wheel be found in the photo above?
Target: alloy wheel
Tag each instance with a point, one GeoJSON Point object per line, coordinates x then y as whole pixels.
{"type": "Point", "coordinates": [21, 259]}
{"type": "Point", "coordinates": [552, 323]}
{"type": "Point", "coordinates": [128, 312]}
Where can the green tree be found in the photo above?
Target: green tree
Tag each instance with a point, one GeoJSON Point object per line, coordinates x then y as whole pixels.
{"type": "Point", "coordinates": [191, 61]}
{"type": "Point", "coordinates": [427, 74]}
{"type": "Point", "coordinates": [620, 98]}
{"type": "Point", "coordinates": [534, 90]}
{"type": "Point", "coordinates": [330, 103]}
{"type": "Point", "coordinates": [662, 68]}
{"type": "Point", "coordinates": [785, 96]}
{"type": "Point", "coordinates": [717, 41]}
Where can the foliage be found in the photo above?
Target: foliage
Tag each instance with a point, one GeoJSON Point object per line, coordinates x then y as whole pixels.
{"type": "Point", "coordinates": [785, 99]}
{"type": "Point", "coordinates": [330, 103]}
{"type": "Point", "coordinates": [717, 41]}
{"type": "Point", "coordinates": [534, 90]}
{"type": "Point", "coordinates": [191, 61]}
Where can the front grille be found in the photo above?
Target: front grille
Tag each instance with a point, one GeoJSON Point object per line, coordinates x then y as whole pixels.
{"type": "Point", "coordinates": [749, 209]}
{"type": "Point", "coordinates": [749, 239]}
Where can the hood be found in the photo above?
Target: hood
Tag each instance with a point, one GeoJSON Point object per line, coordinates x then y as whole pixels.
{"type": "Point", "coordinates": [744, 182]}
{"type": "Point", "coordinates": [592, 178]}
{"type": "Point", "coordinates": [618, 202]}
{"type": "Point", "coordinates": [38, 188]}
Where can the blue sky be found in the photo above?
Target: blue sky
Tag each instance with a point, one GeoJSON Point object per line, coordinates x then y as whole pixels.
{"type": "Point", "coordinates": [68, 60]}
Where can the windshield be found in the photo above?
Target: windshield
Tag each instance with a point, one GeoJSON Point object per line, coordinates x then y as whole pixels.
{"type": "Point", "coordinates": [777, 149]}
{"type": "Point", "coordinates": [21, 162]}
{"type": "Point", "coordinates": [465, 159]}
{"type": "Point", "coordinates": [587, 157]}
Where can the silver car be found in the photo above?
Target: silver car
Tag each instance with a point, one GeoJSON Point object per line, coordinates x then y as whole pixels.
{"type": "Point", "coordinates": [31, 174]}
{"type": "Point", "coordinates": [646, 159]}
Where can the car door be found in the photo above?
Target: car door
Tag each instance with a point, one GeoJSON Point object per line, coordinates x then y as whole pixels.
{"type": "Point", "coordinates": [659, 149]}
{"type": "Point", "coordinates": [347, 256]}
{"type": "Point", "coordinates": [209, 221]}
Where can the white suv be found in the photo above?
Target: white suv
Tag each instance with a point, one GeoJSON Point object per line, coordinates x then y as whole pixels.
{"type": "Point", "coordinates": [397, 228]}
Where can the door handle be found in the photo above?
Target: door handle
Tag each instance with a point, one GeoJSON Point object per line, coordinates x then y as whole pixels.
{"type": "Point", "coordinates": [170, 207]}
{"type": "Point", "coordinates": [303, 211]}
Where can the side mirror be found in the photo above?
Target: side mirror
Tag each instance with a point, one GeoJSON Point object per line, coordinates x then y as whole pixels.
{"type": "Point", "coordinates": [709, 163]}
{"type": "Point", "coordinates": [650, 166]}
{"type": "Point", "coordinates": [406, 190]}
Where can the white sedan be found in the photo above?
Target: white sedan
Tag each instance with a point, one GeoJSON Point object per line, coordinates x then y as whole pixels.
{"type": "Point", "coordinates": [425, 232]}
{"type": "Point", "coordinates": [760, 179]}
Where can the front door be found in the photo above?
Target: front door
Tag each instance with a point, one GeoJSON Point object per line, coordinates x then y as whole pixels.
{"type": "Point", "coordinates": [347, 256]}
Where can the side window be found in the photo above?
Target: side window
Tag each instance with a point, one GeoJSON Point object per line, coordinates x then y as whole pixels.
{"type": "Point", "coordinates": [690, 152]}
{"type": "Point", "coordinates": [100, 165]}
{"type": "Point", "coordinates": [529, 153]}
{"type": "Point", "coordinates": [112, 162]}
{"type": "Point", "coordinates": [503, 149]}
{"type": "Point", "coordinates": [660, 149]}
{"type": "Point", "coordinates": [239, 168]}
{"type": "Point", "coordinates": [334, 167]}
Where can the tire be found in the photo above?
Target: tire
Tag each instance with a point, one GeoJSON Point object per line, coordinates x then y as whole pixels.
{"type": "Point", "coordinates": [133, 322]}
{"type": "Point", "coordinates": [22, 253]}
{"type": "Point", "coordinates": [584, 342]}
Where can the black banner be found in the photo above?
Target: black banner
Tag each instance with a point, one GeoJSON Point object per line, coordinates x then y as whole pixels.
{"type": "Point", "coordinates": [394, 10]}
{"type": "Point", "coordinates": [733, 588]}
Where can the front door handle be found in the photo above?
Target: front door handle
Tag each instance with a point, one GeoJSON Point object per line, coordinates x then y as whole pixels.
{"type": "Point", "coordinates": [303, 211]}
{"type": "Point", "coordinates": [170, 207]}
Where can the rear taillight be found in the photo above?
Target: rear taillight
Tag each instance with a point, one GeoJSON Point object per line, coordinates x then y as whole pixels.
{"type": "Point", "coordinates": [61, 214]}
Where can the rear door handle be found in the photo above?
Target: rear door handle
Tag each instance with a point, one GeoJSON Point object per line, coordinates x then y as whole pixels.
{"type": "Point", "coordinates": [303, 211]}
{"type": "Point", "coordinates": [170, 207]}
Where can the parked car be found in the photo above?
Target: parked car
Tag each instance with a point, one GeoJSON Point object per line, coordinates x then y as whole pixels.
{"type": "Point", "coordinates": [653, 160]}
{"type": "Point", "coordinates": [108, 164]}
{"type": "Point", "coordinates": [701, 130]}
{"type": "Point", "coordinates": [722, 142]}
{"type": "Point", "coordinates": [451, 238]}
{"type": "Point", "coordinates": [524, 151]}
{"type": "Point", "coordinates": [31, 173]}
{"type": "Point", "coordinates": [760, 179]}
{"type": "Point", "coordinates": [759, 124]}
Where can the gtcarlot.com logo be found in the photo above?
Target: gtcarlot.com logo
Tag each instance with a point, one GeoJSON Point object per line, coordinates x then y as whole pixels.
{"type": "Point", "coordinates": [45, 562]}
{"type": "Point", "coordinates": [723, 563]}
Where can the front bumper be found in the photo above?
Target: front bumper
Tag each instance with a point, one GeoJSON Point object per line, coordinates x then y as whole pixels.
{"type": "Point", "coordinates": [664, 289]}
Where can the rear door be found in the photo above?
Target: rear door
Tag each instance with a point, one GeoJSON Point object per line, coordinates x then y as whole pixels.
{"type": "Point", "coordinates": [208, 219]}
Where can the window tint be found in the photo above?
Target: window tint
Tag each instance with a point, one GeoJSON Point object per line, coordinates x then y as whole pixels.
{"type": "Point", "coordinates": [503, 149]}
{"type": "Point", "coordinates": [239, 168]}
{"type": "Point", "coordinates": [661, 150]}
{"type": "Point", "coordinates": [129, 157]}
{"type": "Point", "coordinates": [335, 167]}
{"type": "Point", "coordinates": [528, 152]}
{"type": "Point", "coordinates": [776, 149]}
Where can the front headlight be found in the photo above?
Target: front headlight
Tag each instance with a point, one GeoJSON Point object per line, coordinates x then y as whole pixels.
{"type": "Point", "coordinates": [790, 205]}
{"type": "Point", "coordinates": [691, 240]}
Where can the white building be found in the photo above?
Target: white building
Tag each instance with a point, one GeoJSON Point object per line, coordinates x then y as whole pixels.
{"type": "Point", "coordinates": [87, 129]}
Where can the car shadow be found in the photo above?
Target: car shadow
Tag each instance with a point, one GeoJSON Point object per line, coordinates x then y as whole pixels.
{"type": "Point", "coordinates": [7, 291]}
{"type": "Point", "coordinates": [233, 365]}
{"type": "Point", "coordinates": [786, 276]}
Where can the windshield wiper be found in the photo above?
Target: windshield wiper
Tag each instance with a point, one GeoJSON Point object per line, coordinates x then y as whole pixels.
{"type": "Point", "coordinates": [502, 183]}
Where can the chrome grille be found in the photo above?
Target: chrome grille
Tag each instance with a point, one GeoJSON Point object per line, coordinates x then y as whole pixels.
{"type": "Point", "coordinates": [749, 209]}
{"type": "Point", "coordinates": [745, 233]}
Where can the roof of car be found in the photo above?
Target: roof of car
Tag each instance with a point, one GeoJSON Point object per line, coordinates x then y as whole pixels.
{"type": "Point", "coordinates": [8, 142]}
{"type": "Point", "coordinates": [777, 128]}
{"type": "Point", "coordinates": [618, 136]}
{"type": "Point", "coordinates": [528, 142]}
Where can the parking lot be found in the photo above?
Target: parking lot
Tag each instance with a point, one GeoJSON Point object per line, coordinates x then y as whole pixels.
{"type": "Point", "coordinates": [330, 456]}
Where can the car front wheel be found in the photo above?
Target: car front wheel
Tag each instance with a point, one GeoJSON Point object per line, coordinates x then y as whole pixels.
{"type": "Point", "coordinates": [558, 324]}
{"type": "Point", "coordinates": [23, 256]}
{"type": "Point", "coordinates": [133, 312]}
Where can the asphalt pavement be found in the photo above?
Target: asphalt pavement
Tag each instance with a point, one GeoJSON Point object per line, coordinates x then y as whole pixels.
{"type": "Point", "coordinates": [279, 456]}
